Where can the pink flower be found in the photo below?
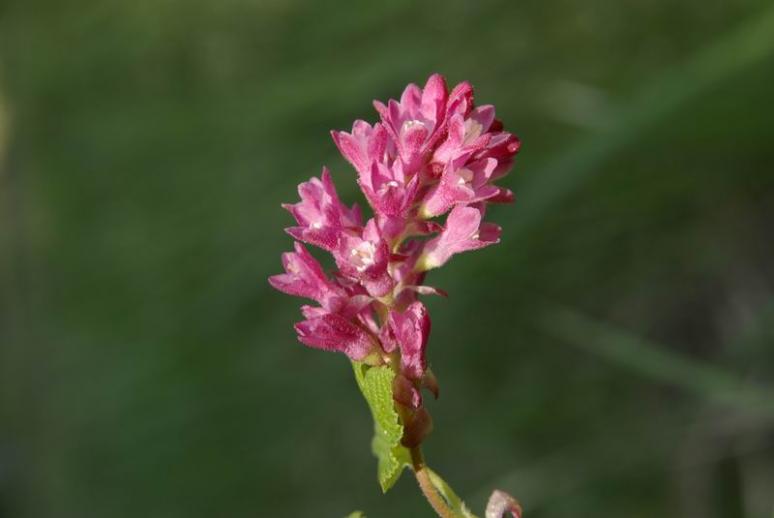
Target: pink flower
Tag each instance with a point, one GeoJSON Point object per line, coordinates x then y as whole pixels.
{"type": "Point", "coordinates": [432, 153]}
{"type": "Point", "coordinates": [411, 329]}
{"type": "Point", "coordinates": [462, 182]}
{"type": "Point", "coordinates": [320, 214]}
{"type": "Point", "coordinates": [363, 147]}
{"type": "Point", "coordinates": [336, 333]}
{"type": "Point", "coordinates": [304, 277]}
{"type": "Point", "coordinates": [466, 134]}
{"type": "Point", "coordinates": [365, 256]}
{"type": "Point", "coordinates": [408, 332]}
{"type": "Point", "coordinates": [502, 146]}
{"type": "Point", "coordinates": [464, 231]}
{"type": "Point", "coordinates": [460, 100]}
{"type": "Point", "coordinates": [417, 121]}
{"type": "Point", "coordinates": [389, 191]}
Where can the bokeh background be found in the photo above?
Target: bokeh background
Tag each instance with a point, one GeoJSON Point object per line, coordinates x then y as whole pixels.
{"type": "Point", "coordinates": [612, 357]}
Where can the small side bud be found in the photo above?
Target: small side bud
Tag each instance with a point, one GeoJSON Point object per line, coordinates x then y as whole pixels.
{"type": "Point", "coordinates": [501, 505]}
{"type": "Point", "coordinates": [417, 425]}
{"type": "Point", "coordinates": [405, 393]}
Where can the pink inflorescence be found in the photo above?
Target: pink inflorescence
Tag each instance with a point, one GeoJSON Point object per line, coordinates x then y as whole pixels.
{"type": "Point", "coordinates": [432, 153]}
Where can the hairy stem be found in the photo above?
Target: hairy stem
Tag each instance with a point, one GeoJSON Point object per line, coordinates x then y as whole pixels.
{"type": "Point", "coordinates": [435, 499]}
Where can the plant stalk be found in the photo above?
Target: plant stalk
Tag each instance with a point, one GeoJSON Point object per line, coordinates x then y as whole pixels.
{"type": "Point", "coordinates": [436, 501]}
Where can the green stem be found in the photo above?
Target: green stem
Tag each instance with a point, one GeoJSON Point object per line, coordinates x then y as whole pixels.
{"type": "Point", "coordinates": [422, 472]}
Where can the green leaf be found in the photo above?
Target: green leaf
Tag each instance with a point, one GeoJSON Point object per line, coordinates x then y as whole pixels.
{"type": "Point", "coordinates": [356, 514]}
{"type": "Point", "coordinates": [376, 385]}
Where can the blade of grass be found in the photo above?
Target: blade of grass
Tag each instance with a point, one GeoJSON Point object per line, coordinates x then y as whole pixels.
{"type": "Point", "coordinates": [657, 362]}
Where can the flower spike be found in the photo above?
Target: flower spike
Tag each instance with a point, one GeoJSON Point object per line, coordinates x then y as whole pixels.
{"type": "Point", "coordinates": [428, 169]}
{"type": "Point", "coordinates": [433, 152]}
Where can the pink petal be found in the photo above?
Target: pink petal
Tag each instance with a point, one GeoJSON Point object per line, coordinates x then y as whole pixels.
{"type": "Point", "coordinates": [461, 99]}
{"type": "Point", "coordinates": [335, 333]}
{"type": "Point", "coordinates": [461, 224]}
{"type": "Point", "coordinates": [411, 98]}
{"type": "Point", "coordinates": [349, 148]}
{"type": "Point", "coordinates": [304, 276]}
{"type": "Point", "coordinates": [411, 329]}
{"type": "Point", "coordinates": [464, 231]}
{"type": "Point", "coordinates": [320, 214]}
{"type": "Point", "coordinates": [480, 120]}
{"type": "Point", "coordinates": [434, 98]}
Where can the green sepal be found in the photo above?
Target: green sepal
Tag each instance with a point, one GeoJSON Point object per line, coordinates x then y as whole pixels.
{"type": "Point", "coordinates": [356, 514]}
{"type": "Point", "coordinates": [376, 385]}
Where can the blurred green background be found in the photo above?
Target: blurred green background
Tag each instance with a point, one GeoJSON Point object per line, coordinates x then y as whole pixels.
{"type": "Point", "coordinates": [612, 357]}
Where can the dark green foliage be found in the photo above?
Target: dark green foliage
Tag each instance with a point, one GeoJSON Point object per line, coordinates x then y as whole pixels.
{"type": "Point", "coordinates": [147, 368]}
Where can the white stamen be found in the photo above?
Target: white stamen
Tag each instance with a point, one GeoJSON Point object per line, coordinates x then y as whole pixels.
{"type": "Point", "coordinates": [363, 255]}
{"type": "Point", "coordinates": [388, 186]}
{"type": "Point", "coordinates": [409, 125]}
{"type": "Point", "coordinates": [465, 176]}
{"type": "Point", "coordinates": [473, 130]}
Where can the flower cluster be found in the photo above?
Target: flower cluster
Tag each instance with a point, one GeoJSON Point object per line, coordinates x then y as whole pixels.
{"type": "Point", "coordinates": [433, 153]}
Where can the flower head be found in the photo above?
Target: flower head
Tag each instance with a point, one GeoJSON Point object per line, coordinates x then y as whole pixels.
{"type": "Point", "coordinates": [433, 153]}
